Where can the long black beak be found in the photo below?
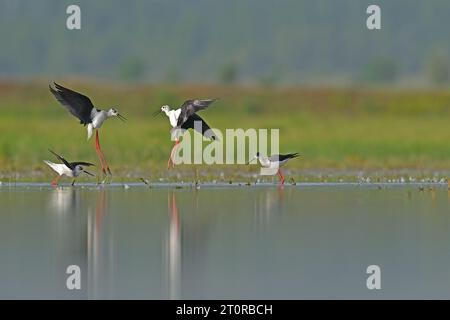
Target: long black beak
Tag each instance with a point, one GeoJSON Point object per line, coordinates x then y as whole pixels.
{"type": "Point", "coordinates": [121, 117]}
{"type": "Point", "coordinates": [250, 161]}
{"type": "Point", "coordinates": [157, 113]}
{"type": "Point", "coordinates": [88, 173]}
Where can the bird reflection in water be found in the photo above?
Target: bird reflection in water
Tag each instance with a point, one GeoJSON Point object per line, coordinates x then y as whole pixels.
{"type": "Point", "coordinates": [70, 239]}
{"type": "Point", "coordinates": [99, 260]}
{"type": "Point", "coordinates": [64, 201]}
{"type": "Point", "coordinates": [79, 241]}
{"type": "Point", "coordinates": [186, 245]}
{"type": "Point", "coordinates": [173, 248]}
{"type": "Point", "coordinates": [269, 204]}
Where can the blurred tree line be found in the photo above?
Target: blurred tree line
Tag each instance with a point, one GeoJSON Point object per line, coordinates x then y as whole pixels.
{"type": "Point", "coordinates": [228, 41]}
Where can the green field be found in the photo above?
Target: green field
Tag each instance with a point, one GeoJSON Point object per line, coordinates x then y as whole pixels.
{"type": "Point", "coordinates": [339, 132]}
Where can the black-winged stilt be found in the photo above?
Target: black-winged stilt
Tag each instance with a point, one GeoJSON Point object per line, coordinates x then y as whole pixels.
{"type": "Point", "coordinates": [69, 169]}
{"type": "Point", "coordinates": [275, 161]}
{"type": "Point", "coordinates": [185, 118]}
{"type": "Point", "coordinates": [81, 107]}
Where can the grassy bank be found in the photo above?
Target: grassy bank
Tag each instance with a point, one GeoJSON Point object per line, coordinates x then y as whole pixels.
{"type": "Point", "coordinates": [336, 130]}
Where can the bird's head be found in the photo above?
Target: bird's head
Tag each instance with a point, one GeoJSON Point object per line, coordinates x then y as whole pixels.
{"type": "Point", "coordinates": [256, 157]}
{"type": "Point", "coordinates": [164, 109]}
{"type": "Point", "coordinates": [79, 169]}
{"type": "Point", "coordinates": [114, 113]}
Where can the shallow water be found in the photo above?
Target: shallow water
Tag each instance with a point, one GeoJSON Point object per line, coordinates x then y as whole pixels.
{"type": "Point", "coordinates": [304, 241]}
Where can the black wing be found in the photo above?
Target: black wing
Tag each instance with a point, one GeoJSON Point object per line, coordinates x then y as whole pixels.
{"type": "Point", "coordinates": [203, 129]}
{"type": "Point", "coordinates": [69, 165]}
{"type": "Point", "coordinates": [79, 105]}
{"type": "Point", "coordinates": [190, 107]}
{"type": "Point", "coordinates": [81, 163]}
{"type": "Point", "coordinates": [282, 157]}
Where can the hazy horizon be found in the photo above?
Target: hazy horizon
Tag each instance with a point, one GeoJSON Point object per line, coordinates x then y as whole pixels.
{"type": "Point", "coordinates": [244, 42]}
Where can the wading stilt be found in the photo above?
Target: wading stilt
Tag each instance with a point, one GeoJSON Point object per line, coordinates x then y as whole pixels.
{"type": "Point", "coordinates": [69, 169]}
{"type": "Point", "coordinates": [274, 162]}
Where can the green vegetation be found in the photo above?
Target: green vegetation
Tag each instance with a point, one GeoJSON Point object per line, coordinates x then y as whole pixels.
{"type": "Point", "coordinates": [334, 129]}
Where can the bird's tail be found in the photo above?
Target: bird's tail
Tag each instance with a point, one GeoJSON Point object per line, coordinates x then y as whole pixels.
{"type": "Point", "coordinates": [52, 165]}
{"type": "Point", "coordinates": [90, 130]}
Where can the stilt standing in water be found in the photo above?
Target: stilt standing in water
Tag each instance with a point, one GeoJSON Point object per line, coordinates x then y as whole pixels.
{"type": "Point", "coordinates": [274, 162]}
{"type": "Point", "coordinates": [69, 169]}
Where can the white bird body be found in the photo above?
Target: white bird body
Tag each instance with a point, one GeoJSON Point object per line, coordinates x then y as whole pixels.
{"type": "Point", "coordinates": [98, 117]}
{"type": "Point", "coordinates": [63, 170]}
{"type": "Point", "coordinates": [271, 162]}
{"type": "Point", "coordinates": [172, 115]}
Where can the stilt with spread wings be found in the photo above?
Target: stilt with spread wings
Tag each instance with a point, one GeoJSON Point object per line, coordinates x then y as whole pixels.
{"type": "Point", "coordinates": [81, 107]}
{"type": "Point", "coordinates": [185, 118]}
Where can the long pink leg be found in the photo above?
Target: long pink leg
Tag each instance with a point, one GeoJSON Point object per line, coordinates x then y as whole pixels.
{"type": "Point", "coordinates": [173, 152]}
{"type": "Point", "coordinates": [281, 176]}
{"type": "Point", "coordinates": [97, 150]}
{"type": "Point", "coordinates": [55, 181]}
{"type": "Point", "coordinates": [101, 155]}
{"type": "Point", "coordinates": [170, 160]}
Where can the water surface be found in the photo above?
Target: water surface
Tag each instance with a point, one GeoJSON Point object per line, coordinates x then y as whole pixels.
{"type": "Point", "coordinates": [304, 241]}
